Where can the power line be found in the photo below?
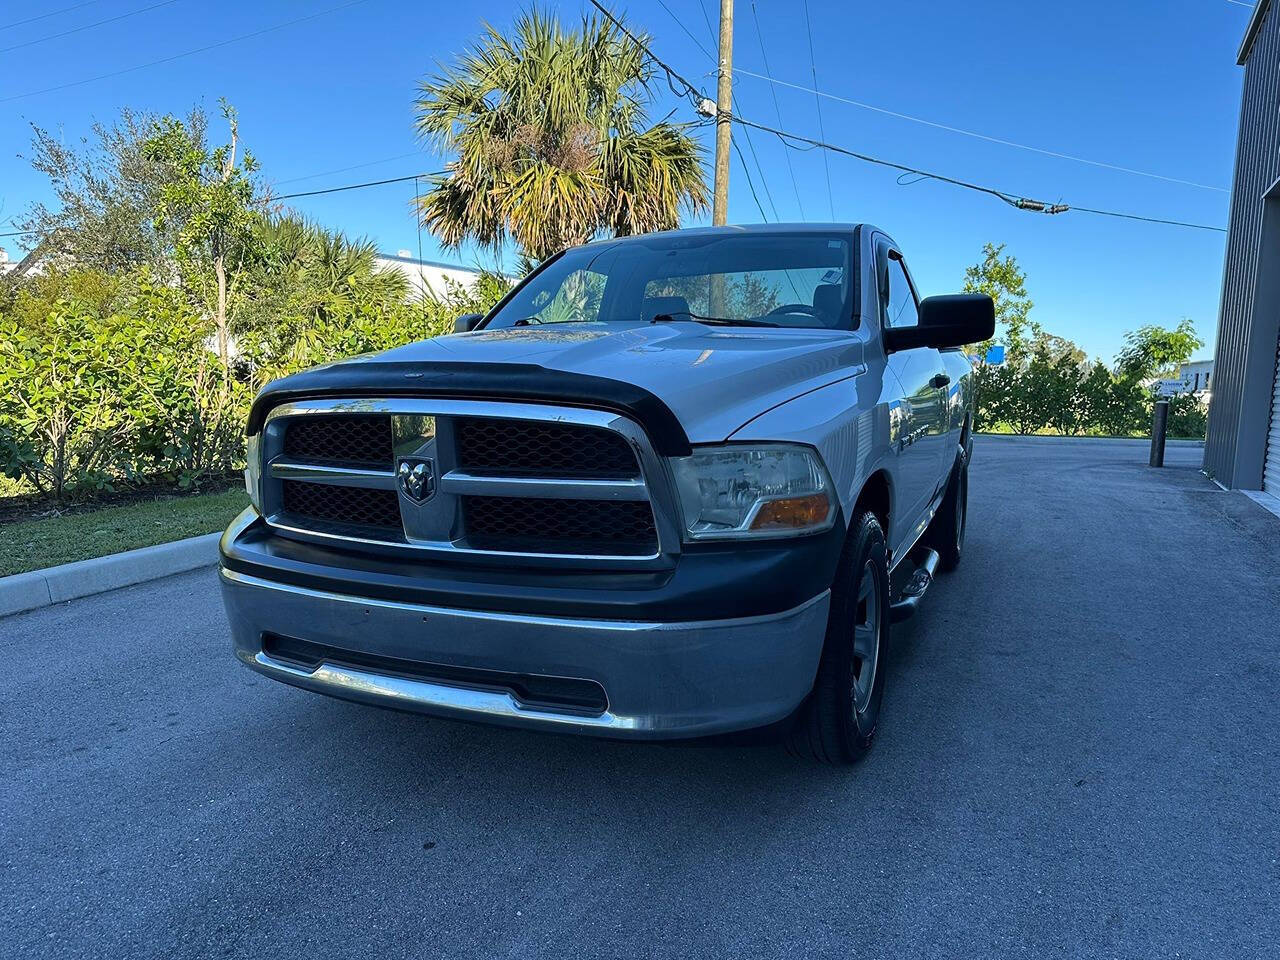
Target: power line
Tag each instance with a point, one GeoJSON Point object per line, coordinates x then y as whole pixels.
{"type": "Point", "coordinates": [51, 13]}
{"type": "Point", "coordinates": [1014, 200]}
{"type": "Point", "coordinates": [795, 185]}
{"type": "Point", "coordinates": [791, 139]}
{"type": "Point", "coordinates": [185, 53]}
{"type": "Point", "coordinates": [1134, 216]}
{"type": "Point", "coordinates": [813, 68]}
{"type": "Point", "coordinates": [680, 23]}
{"type": "Point", "coordinates": [702, 103]}
{"type": "Point", "coordinates": [764, 181]}
{"type": "Point", "coordinates": [787, 138]}
{"type": "Point", "coordinates": [87, 26]}
{"type": "Point", "coordinates": [706, 18]}
{"type": "Point", "coordinates": [1241, 3]}
{"type": "Point", "coordinates": [750, 183]}
{"type": "Point", "coordinates": [354, 166]}
{"type": "Point", "coordinates": [768, 77]}
{"type": "Point", "coordinates": [976, 135]}
{"type": "Point", "coordinates": [689, 92]}
{"type": "Point", "coordinates": [305, 193]}
{"type": "Point", "coordinates": [1021, 203]}
{"type": "Point", "coordinates": [349, 186]}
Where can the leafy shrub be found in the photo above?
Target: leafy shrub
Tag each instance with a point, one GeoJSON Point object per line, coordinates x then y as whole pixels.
{"type": "Point", "coordinates": [191, 411]}
{"type": "Point", "coordinates": [1188, 417]}
{"type": "Point", "coordinates": [353, 328]}
{"type": "Point", "coordinates": [90, 398]}
{"type": "Point", "coordinates": [62, 423]}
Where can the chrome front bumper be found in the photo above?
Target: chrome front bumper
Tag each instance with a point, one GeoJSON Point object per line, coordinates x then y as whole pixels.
{"type": "Point", "coordinates": [661, 680]}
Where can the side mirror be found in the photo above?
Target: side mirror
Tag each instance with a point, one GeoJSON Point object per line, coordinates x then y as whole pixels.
{"type": "Point", "coordinates": [467, 322]}
{"type": "Point", "coordinates": [953, 320]}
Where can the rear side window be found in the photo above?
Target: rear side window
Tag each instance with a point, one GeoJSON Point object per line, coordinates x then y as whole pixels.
{"type": "Point", "coordinates": [900, 310]}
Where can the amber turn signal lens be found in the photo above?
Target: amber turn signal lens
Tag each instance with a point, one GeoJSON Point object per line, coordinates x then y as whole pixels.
{"type": "Point", "coordinates": [794, 513]}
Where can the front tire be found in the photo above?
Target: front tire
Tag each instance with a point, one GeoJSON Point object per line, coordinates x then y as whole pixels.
{"type": "Point", "coordinates": [839, 721]}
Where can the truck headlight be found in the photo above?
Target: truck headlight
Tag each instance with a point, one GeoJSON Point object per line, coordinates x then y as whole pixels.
{"type": "Point", "coordinates": [749, 491]}
{"type": "Point", "coordinates": [253, 470]}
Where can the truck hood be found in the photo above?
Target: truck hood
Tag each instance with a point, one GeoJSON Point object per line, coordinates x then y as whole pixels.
{"type": "Point", "coordinates": [714, 379]}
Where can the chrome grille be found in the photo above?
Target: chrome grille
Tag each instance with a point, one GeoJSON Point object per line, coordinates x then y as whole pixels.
{"type": "Point", "coordinates": [508, 478]}
{"type": "Point", "coordinates": [360, 440]}
{"type": "Point", "coordinates": [561, 526]}
{"type": "Point", "coordinates": [334, 503]}
{"type": "Point", "coordinates": [534, 448]}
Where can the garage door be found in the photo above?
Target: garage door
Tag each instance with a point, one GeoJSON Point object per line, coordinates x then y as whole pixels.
{"type": "Point", "coordinates": [1271, 470]}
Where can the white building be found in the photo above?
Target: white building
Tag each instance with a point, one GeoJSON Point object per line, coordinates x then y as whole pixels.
{"type": "Point", "coordinates": [1192, 377]}
{"type": "Point", "coordinates": [1195, 376]}
{"type": "Point", "coordinates": [426, 276]}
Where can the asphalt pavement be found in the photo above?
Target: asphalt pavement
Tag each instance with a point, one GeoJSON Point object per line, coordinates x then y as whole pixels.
{"type": "Point", "coordinates": [1079, 757]}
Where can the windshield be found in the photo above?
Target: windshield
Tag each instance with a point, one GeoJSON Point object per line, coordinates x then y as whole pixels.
{"type": "Point", "coordinates": [756, 279]}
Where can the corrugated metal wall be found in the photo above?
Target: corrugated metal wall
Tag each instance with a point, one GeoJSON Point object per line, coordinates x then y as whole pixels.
{"type": "Point", "coordinates": [1257, 168]}
{"type": "Point", "coordinates": [1271, 470]}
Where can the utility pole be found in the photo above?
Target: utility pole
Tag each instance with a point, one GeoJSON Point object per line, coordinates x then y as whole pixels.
{"type": "Point", "coordinates": [724, 105]}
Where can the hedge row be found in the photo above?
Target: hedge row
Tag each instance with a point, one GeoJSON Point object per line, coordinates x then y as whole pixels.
{"type": "Point", "coordinates": [1060, 395]}
{"type": "Point", "coordinates": [94, 397]}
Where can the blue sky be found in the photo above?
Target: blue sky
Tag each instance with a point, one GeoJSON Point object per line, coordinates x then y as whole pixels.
{"type": "Point", "coordinates": [1150, 85]}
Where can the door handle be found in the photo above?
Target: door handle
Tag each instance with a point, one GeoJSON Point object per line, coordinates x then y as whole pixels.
{"type": "Point", "coordinates": [939, 381]}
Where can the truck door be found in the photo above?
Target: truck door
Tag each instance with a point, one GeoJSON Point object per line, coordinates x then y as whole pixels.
{"type": "Point", "coordinates": [922, 373]}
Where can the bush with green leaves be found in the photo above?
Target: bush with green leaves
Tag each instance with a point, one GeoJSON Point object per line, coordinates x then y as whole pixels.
{"type": "Point", "coordinates": [1188, 417]}
{"type": "Point", "coordinates": [64, 423]}
{"type": "Point", "coordinates": [347, 328]}
{"type": "Point", "coordinates": [97, 394]}
{"type": "Point", "coordinates": [192, 414]}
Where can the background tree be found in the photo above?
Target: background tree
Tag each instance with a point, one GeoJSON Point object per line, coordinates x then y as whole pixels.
{"type": "Point", "coordinates": [107, 188]}
{"type": "Point", "coordinates": [553, 141]}
{"type": "Point", "coordinates": [1100, 412]}
{"type": "Point", "coordinates": [207, 202]}
{"type": "Point", "coordinates": [1152, 351]}
{"type": "Point", "coordinates": [107, 377]}
{"type": "Point", "coordinates": [1000, 278]}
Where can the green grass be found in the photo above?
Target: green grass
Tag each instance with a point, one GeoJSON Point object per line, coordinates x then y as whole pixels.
{"type": "Point", "coordinates": [34, 544]}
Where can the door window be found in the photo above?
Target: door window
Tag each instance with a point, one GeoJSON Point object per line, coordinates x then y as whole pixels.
{"type": "Point", "coordinates": [900, 309]}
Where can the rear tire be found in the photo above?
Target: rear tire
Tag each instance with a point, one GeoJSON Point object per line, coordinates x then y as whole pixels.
{"type": "Point", "coordinates": [839, 721]}
{"type": "Point", "coordinates": [946, 533]}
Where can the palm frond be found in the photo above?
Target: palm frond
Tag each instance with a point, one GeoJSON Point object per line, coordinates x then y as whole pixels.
{"type": "Point", "coordinates": [552, 140]}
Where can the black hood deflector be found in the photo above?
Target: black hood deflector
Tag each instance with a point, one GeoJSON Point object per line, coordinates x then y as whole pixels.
{"type": "Point", "coordinates": [477, 381]}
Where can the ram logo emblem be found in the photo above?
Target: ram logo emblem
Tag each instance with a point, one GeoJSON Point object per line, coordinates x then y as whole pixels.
{"type": "Point", "coordinates": [417, 478]}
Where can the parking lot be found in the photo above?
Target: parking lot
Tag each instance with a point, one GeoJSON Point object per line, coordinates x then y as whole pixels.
{"type": "Point", "coordinates": [1079, 757]}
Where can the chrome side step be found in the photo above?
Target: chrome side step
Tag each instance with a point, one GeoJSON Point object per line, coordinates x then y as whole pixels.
{"type": "Point", "coordinates": [923, 563]}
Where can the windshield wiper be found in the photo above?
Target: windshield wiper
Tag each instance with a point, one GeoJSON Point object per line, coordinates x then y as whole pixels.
{"type": "Point", "coordinates": [670, 317]}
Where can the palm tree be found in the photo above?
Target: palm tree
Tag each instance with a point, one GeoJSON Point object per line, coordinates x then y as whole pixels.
{"type": "Point", "coordinates": [554, 144]}
{"type": "Point", "coordinates": [324, 271]}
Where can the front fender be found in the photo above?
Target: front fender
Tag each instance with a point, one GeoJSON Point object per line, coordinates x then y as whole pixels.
{"type": "Point", "coordinates": [847, 422]}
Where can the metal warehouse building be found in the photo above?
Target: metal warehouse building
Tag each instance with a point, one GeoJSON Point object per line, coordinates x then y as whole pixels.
{"type": "Point", "coordinates": [1243, 445]}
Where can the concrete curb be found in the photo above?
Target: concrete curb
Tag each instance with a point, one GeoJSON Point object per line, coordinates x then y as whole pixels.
{"type": "Point", "coordinates": [43, 588]}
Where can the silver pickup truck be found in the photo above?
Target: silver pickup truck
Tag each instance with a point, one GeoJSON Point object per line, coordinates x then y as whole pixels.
{"type": "Point", "coordinates": [672, 486]}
